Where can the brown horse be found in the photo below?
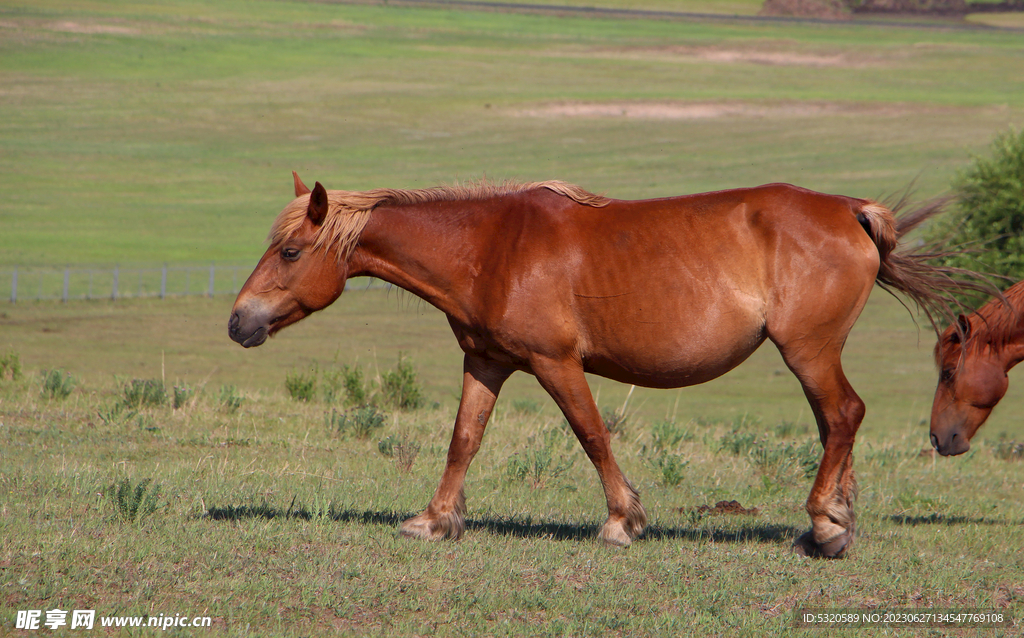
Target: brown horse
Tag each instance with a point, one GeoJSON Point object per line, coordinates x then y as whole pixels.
{"type": "Point", "coordinates": [974, 356]}
{"type": "Point", "coordinates": [555, 281]}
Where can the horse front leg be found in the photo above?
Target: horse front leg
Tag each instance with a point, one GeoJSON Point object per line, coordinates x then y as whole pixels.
{"type": "Point", "coordinates": [445, 515]}
{"type": "Point", "coordinates": [567, 385]}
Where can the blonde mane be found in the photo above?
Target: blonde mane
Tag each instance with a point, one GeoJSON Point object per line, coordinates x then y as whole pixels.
{"type": "Point", "coordinates": [348, 211]}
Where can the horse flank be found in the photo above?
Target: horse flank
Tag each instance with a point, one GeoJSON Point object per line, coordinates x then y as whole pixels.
{"type": "Point", "coordinates": [349, 211]}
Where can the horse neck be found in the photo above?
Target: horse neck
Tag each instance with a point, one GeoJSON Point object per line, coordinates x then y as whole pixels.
{"type": "Point", "coordinates": [1005, 325]}
{"type": "Point", "coordinates": [422, 249]}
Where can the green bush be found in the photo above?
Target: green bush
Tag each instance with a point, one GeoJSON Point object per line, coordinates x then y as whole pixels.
{"type": "Point", "coordinates": [989, 212]}
{"type": "Point", "coordinates": [301, 387]}
{"type": "Point", "coordinates": [399, 387]}
{"type": "Point", "coordinates": [360, 422]}
{"type": "Point", "coordinates": [10, 367]}
{"type": "Point", "coordinates": [229, 398]}
{"type": "Point", "coordinates": [181, 395]}
{"type": "Point", "coordinates": [1009, 450]}
{"type": "Point", "coordinates": [131, 504]}
{"type": "Point", "coordinates": [666, 435]}
{"type": "Point", "coordinates": [141, 393]}
{"type": "Point", "coordinates": [737, 442]}
{"type": "Point", "coordinates": [402, 450]}
{"type": "Point", "coordinates": [349, 379]}
{"type": "Point", "coordinates": [57, 384]}
{"type": "Point", "coordinates": [669, 467]}
{"type": "Point", "coordinates": [543, 460]}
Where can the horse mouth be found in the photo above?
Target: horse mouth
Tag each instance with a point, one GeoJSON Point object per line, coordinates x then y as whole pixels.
{"type": "Point", "coordinates": [256, 339]}
{"type": "Point", "coordinates": [253, 339]}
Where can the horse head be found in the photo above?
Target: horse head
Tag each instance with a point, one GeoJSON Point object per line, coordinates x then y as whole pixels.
{"type": "Point", "coordinates": [972, 380]}
{"type": "Point", "coordinates": [297, 276]}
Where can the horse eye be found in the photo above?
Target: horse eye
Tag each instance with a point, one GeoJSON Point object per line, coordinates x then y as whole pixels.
{"type": "Point", "coordinates": [290, 254]}
{"type": "Point", "coordinates": [946, 375]}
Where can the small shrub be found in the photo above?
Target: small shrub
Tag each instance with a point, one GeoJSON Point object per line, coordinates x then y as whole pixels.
{"type": "Point", "coordinates": [665, 435]}
{"type": "Point", "coordinates": [614, 420]}
{"type": "Point", "coordinates": [132, 504]}
{"type": "Point", "coordinates": [403, 451]}
{"type": "Point", "coordinates": [57, 384]}
{"type": "Point", "coordinates": [229, 398]}
{"type": "Point", "coordinates": [399, 387]}
{"type": "Point", "coordinates": [781, 461]}
{"type": "Point", "coordinates": [669, 468]}
{"type": "Point", "coordinates": [321, 509]}
{"type": "Point", "coordinates": [788, 429]}
{"type": "Point", "coordinates": [141, 393]}
{"type": "Point", "coordinates": [349, 379]}
{"type": "Point", "coordinates": [360, 422]}
{"type": "Point", "coordinates": [1009, 451]}
{"type": "Point", "coordinates": [10, 367]}
{"type": "Point", "coordinates": [181, 395]}
{"type": "Point", "coordinates": [737, 442]}
{"type": "Point", "coordinates": [539, 463]}
{"type": "Point", "coordinates": [331, 383]}
{"type": "Point", "coordinates": [301, 387]}
{"type": "Point", "coordinates": [115, 414]}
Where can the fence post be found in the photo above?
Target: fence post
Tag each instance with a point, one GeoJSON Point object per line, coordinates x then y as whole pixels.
{"type": "Point", "coordinates": [163, 282]}
{"type": "Point", "coordinates": [113, 293]}
{"type": "Point", "coordinates": [67, 275]}
{"type": "Point", "coordinates": [14, 286]}
{"type": "Point", "coordinates": [212, 271]}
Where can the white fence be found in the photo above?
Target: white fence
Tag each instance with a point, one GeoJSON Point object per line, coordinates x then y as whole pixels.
{"type": "Point", "coordinates": [37, 283]}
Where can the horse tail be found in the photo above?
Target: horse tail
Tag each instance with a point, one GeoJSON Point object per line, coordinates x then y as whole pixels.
{"type": "Point", "coordinates": [935, 289]}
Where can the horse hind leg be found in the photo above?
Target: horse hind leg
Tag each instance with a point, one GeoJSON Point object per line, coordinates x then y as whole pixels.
{"type": "Point", "coordinates": [839, 412]}
{"type": "Point", "coordinates": [445, 516]}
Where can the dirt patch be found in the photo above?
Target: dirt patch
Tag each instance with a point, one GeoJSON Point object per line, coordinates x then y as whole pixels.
{"type": "Point", "coordinates": [687, 110]}
{"type": "Point", "coordinates": [77, 27]}
{"type": "Point", "coordinates": [721, 56]}
{"type": "Point", "coordinates": [726, 507]}
{"type": "Point", "coordinates": [771, 58]}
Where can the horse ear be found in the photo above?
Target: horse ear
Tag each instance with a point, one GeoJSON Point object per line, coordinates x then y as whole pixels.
{"type": "Point", "coordinates": [300, 188]}
{"type": "Point", "coordinates": [317, 210]}
{"type": "Point", "coordinates": [964, 325]}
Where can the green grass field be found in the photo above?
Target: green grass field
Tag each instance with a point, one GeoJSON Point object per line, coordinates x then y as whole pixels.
{"type": "Point", "coordinates": [166, 131]}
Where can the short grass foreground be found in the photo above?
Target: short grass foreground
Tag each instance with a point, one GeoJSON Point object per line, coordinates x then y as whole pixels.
{"type": "Point", "coordinates": [260, 511]}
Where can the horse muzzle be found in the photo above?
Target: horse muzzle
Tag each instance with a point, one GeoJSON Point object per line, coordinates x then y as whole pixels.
{"type": "Point", "coordinates": [951, 443]}
{"type": "Point", "coordinates": [245, 333]}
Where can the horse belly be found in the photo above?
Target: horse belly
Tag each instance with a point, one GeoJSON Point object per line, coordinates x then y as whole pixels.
{"type": "Point", "coordinates": [673, 356]}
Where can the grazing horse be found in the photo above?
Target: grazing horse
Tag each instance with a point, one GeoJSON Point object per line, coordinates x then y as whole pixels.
{"type": "Point", "coordinates": [973, 356]}
{"type": "Point", "coordinates": [554, 281]}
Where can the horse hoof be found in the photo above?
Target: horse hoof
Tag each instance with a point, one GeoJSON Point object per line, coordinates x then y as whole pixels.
{"type": "Point", "coordinates": [432, 529]}
{"type": "Point", "coordinates": [614, 535]}
{"type": "Point", "coordinates": [805, 545]}
{"type": "Point", "coordinates": [419, 529]}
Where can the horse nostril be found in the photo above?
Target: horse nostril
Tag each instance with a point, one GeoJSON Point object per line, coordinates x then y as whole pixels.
{"type": "Point", "coordinates": [935, 441]}
{"type": "Point", "coordinates": [233, 322]}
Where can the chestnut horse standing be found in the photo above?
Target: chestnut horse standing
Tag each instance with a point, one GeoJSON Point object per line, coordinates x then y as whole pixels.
{"type": "Point", "coordinates": [555, 281]}
{"type": "Point", "coordinates": [974, 356]}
